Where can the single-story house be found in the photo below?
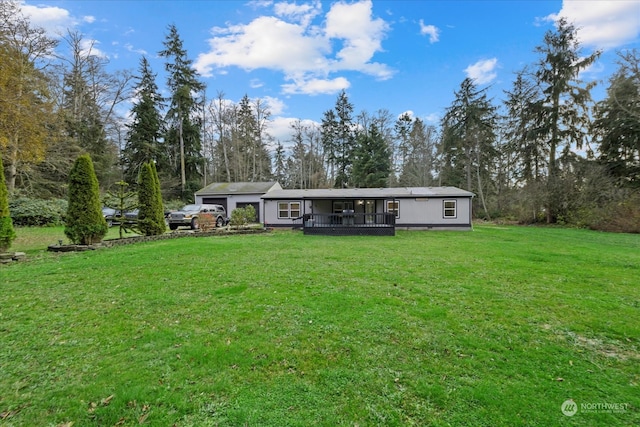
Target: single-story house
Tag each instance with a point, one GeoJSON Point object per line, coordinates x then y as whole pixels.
{"type": "Point", "coordinates": [369, 210]}
{"type": "Point", "coordinates": [234, 195]}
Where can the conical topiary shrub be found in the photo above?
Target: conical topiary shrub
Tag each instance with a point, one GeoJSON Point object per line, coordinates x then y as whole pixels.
{"type": "Point", "coordinates": [85, 224]}
{"type": "Point", "coordinates": [7, 233]}
{"type": "Point", "coordinates": [151, 213]}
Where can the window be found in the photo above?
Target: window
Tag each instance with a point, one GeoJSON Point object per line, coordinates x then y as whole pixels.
{"type": "Point", "coordinates": [288, 209]}
{"type": "Point", "coordinates": [449, 209]}
{"type": "Point", "coordinates": [393, 206]}
{"type": "Point", "coordinates": [339, 206]}
{"type": "Point", "coordinates": [294, 209]}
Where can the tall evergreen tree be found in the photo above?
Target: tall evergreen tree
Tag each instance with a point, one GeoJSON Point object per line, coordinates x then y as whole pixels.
{"type": "Point", "coordinates": [329, 136]}
{"type": "Point", "coordinates": [298, 171]}
{"type": "Point", "coordinates": [183, 138]}
{"type": "Point", "coordinates": [401, 132]}
{"type": "Point", "coordinates": [371, 159]}
{"type": "Point", "coordinates": [338, 138]}
{"type": "Point", "coordinates": [144, 136]}
{"type": "Point", "coordinates": [279, 158]}
{"type": "Point", "coordinates": [345, 140]}
{"type": "Point", "coordinates": [520, 123]}
{"type": "Point", "coordinates": [470, 129]}
{"type": "Point", "coordinates": [261, 161]}
{"type": "Point", "coordinates": [253, 161]}
{"type": "Point", "coordinates": [617, 123]}
{"type": "Point", "coordinates": [563, 109]}
{"type": "Point", "coordinates": [418, 153]}
{"type": "Point", "coordinates": [84, 223]}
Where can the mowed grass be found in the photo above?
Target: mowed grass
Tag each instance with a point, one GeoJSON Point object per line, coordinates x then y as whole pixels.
{"type": "Point", "coordinates": [34, 240]}
{"type": "Point", "coordinates": [495, 327]}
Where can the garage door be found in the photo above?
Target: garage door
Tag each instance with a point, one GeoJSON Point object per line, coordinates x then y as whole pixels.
{"type": "Point", "coordinates": [256, 206]}
{"type": "Point", "coordinates": [216, 201]}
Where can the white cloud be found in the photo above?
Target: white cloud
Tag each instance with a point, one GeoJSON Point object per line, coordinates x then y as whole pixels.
{"type": "Point", "coordinates": [89, 19]}
{"type": "Point", "coordinates": [316, 86]}
{"type": "Point", "coordinates": [258, 4]}
{"type": "Point", "coordinates": [303, 14]}
{"type": "Point", "coordinates": [409, 113]}
{"type": "Point", "coordinates": [602, 24]}
{"type": "Point", "coordinates": [54, 20]}
{"type": "Point", "coordinates": [303, 52]}
{"type": "Point", "coordinates": [280, 129]}
{"type": "Point", "coordinates": [89, 47]}
{"type": "Point", "coordinates": [432, 118]}
{"type": "Point", "coordinates": [430, 30]}
{"type": "Point", "coordinates": [255, 83]}
{"type": "Point", "coordinates": [130, 48]}
{"type": "Point", "coordinates": [361, 35]}
{"type": "Point", "coordinates": [276, 105]}
{"type": "Point", "coordinates": [266, 42]}
{"type": "Point", "coordinates": [483, 71]}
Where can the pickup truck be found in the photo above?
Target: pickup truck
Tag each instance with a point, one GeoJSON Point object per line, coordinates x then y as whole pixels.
{"type": "Point", "coordinates": [188, 216]}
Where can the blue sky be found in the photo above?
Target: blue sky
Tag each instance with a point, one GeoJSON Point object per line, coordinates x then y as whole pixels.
{"type": "Point", "coordinates": [402, 56]}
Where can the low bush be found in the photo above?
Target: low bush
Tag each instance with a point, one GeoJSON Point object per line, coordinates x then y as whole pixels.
{"type": "Point", "coordinates": [243, 216]}
{"type": "Point", "coordinates": [27, 212]}
{"type": "Point", "coordinates": [621, 217]}
{"type": "Point", "coordinates": [207, 221]}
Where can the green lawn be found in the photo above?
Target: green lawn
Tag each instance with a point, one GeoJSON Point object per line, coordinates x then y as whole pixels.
{"type": "Point", "coordinates": [495, 327]}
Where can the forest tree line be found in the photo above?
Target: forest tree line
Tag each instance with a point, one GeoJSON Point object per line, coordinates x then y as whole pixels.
{"type": "Point", "coordinates": [545, 153]}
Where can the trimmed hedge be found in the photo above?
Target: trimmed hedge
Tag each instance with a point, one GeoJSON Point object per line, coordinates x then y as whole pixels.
{"type": "Point", "coordinates": [27, 212]}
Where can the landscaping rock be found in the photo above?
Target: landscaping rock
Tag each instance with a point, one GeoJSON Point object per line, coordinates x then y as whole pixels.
{"type": "Point", "coordinates": [7, 257]}
{"type": "Point", "coordinates": [71, 248]}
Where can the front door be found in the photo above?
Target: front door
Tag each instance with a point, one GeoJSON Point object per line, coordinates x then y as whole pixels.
{"type": "Point", "coordinates": [369, 209]}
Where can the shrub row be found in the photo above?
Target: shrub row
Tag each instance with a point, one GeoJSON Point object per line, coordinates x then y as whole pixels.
{"type": "Point", "coordinates": [35, 212]}
{"type": "Point", "coordinates": [622, 217]}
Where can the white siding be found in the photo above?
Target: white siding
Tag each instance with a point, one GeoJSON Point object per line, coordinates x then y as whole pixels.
{"type": "Point", "coordinates": [429, 212]}
{"type": "Point", "coordinates": [271, 213]}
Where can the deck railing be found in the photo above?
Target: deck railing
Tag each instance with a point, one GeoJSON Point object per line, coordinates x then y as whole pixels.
{"type": "Point", "coordinates": [349, 223]}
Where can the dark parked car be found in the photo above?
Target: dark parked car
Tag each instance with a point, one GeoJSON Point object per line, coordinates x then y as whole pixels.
{"type": "Point", "coordinates": [113, 217]}
{"type": "Point", "coordinates": [109, 214]}
{"type": "Point", "coordinates": [188, 216]}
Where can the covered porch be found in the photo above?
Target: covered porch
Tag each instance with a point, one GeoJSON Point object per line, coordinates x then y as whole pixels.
{"type": "Point", "coordinates": [348, 217]}
{"type": "Point", "coordinates": [349, 224]}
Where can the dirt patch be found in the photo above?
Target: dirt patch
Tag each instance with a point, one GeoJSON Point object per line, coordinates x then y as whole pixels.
{"type": "Point", "coordinates": [609, 348]}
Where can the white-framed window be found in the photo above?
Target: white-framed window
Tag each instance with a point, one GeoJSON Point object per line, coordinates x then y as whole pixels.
{"type": "Point", "coordinates": [449, 209]}
{"type": "Point", "coordinates": [288, 210]}
{"type": "Point", "coordinates": [393, 206]}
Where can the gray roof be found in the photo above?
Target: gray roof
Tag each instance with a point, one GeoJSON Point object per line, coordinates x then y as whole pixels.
{"type": "Point", "coordinates": [368, 193]}
{"type": "Point", "coordinates": [225, 188]}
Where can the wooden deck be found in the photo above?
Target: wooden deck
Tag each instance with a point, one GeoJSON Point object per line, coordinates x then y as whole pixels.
{"type": "Point", "coordinates": [349, 224]}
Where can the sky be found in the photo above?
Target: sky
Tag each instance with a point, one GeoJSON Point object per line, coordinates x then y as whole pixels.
{"type": "Point", "coordinates": [296, 56]}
